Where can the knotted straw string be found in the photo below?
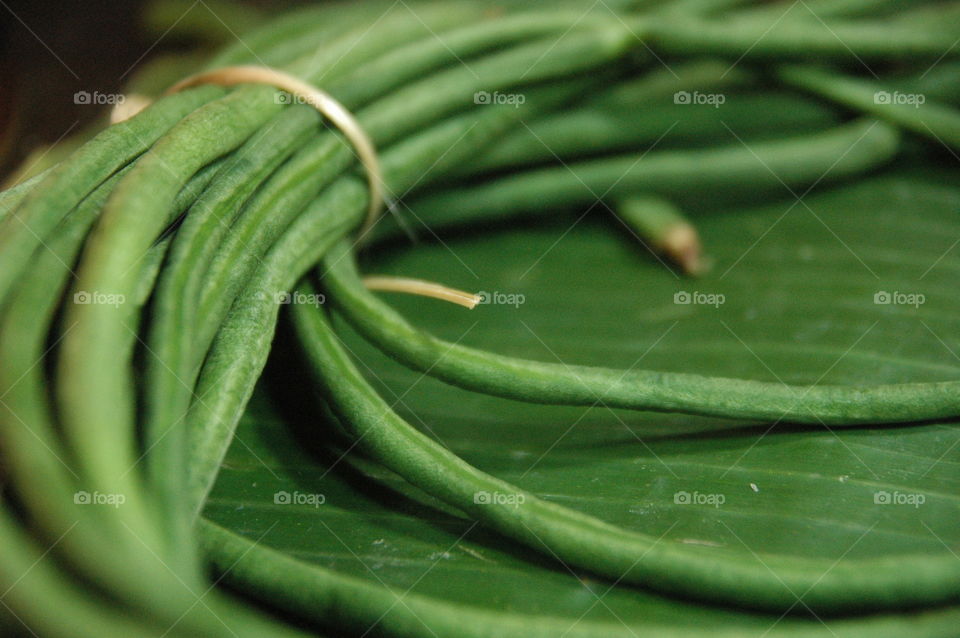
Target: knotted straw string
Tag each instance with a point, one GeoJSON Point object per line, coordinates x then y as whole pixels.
{"type": "Point", "coordinates": [366, 152]}
{"type": "Point", "coordinates": [318, 99]}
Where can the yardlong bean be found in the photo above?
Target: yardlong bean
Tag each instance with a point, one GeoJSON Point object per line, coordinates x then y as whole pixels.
{"type": "Point", "coordinates": [233, 365]}
{"type": "Point", "coordinates": [140, 398]}
{"type": "Point", "coordinates": [540, 382]}
{"type": "Point", "coordinates": [910, 111]}
{"type": "Point", "coordinates": [311, 591]}
{"type": "Point", "coordinates": [770, 166]}
{"type": "Point", "coordinates": [586, 542]}
{"type": "Point", "coordinates": [95, 542]}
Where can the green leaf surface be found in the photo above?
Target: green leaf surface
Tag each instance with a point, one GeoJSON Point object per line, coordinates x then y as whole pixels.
{"type": "Point", "coordinates": [798, 281]}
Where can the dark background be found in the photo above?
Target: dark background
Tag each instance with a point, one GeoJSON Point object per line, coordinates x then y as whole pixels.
{"type": "Point", "coordinates": [51, 49]}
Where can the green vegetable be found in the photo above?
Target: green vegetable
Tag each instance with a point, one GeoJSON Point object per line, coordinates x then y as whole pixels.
{"type": "Point", "coordinates": [143, 278]}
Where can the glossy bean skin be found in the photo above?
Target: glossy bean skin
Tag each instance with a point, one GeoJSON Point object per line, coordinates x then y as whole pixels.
{"type": "Point", "coordinates": [585, 541]}
{"type": "Point", "coordinates": [200, 316]}
{"type": "Point", "coordinates": [766, 166]}
{"type": "Point", "coordinates": [63, 187]}
{"type": "Point", "coordinates": [311, 591]}
{"type": "Point", "coordinates": [937, 122]}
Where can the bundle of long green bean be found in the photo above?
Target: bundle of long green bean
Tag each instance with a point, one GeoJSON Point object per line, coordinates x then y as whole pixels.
{"type": "Point", "coordinates": [140, 279]}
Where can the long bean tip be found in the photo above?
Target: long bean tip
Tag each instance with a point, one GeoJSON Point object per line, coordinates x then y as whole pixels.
{"type": "Point", "coordinates": [422, 288]}
{"type": "Point", "coordinates": [681, 243]}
